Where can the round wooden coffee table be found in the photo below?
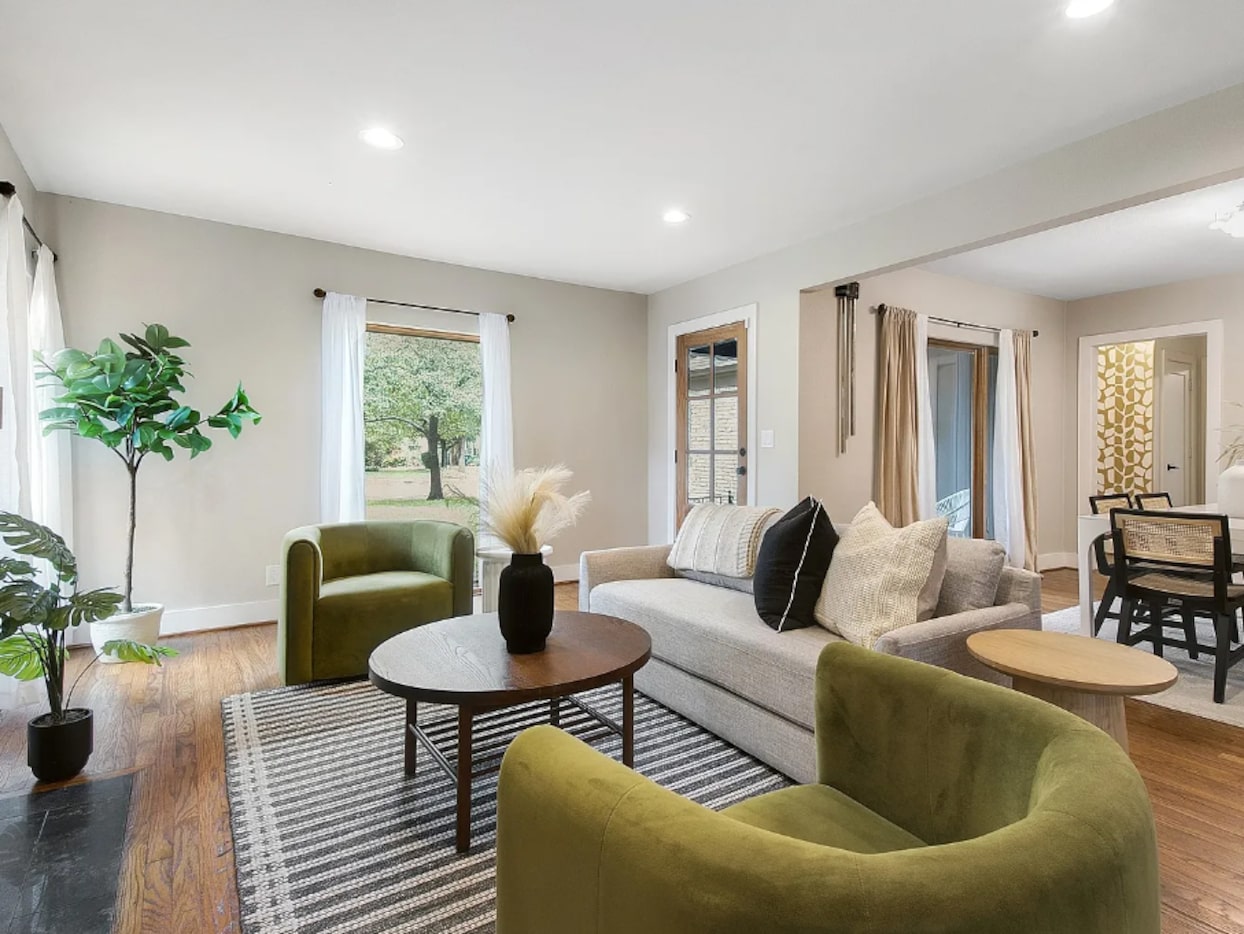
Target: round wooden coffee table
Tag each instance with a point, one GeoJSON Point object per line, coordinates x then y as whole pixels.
{"type": "Point", "coordinates": [463, 662]}
{"type": "Point", "coordinates": [1089, 677]}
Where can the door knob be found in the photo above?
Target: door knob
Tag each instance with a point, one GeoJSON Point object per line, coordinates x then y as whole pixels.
{"type": "Point", "coordinates": [1171, 467]}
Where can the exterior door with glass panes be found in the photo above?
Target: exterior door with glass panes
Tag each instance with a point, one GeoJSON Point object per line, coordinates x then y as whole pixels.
{"type": "Point", "coordinates": [711, 451]}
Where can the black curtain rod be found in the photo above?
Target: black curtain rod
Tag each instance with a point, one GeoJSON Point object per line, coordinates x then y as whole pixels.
{"type": "Point", "coordinates": [320, 293]}
{"type": "Point", "coordinates": [8, 190]}
{"type": "Point", "coordinates": [881, 310]}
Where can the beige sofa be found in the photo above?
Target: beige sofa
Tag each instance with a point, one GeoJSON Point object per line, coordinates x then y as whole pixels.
{"type": "Point", "coordinates": [716, 662]}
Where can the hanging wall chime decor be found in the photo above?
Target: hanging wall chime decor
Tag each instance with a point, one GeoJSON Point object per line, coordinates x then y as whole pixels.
{"type": "Point", "coordinates": [847, 296]}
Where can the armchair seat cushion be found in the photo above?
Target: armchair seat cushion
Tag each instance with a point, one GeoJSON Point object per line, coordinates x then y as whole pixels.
{"type": "Point", "coordinates": [825, 816]}
{"type": "Point", "coordinates": [355, 614]}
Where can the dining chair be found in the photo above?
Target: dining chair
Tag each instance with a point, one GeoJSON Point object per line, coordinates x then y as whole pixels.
{"type": "Point", "coordinates": [1154, 502]}
{"type": "Point", "coordinates": [1103, 552]}
{"type": "Point", "coordinates": [1181, 558]}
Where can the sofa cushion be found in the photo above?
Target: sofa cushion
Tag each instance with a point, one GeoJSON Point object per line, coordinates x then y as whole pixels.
{"type": "Point", "coordinates": [715, 634]}
{"type": "Point", "coordinates": [973, 569]}
{"type": "Point", "coordinates": [355, 614]}
{"type": "Point", "coordinates": [720, 539]}
{"type": "Point", "coordinates": [882, 578]}
{"type": "Point", "coordinates": [825, 816]}
{"type": "Point", "coordinates": [790, 567]}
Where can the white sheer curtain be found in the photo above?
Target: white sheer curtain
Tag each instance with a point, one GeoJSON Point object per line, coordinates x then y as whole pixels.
{"type": "Point", "coordinates": [14, 360]}
{"type": "Point", "coordinates": [926, 451]}
{"type": "Point", "coordinates": [497, 429]}
{"type": "Point", "coordinates": [343, 344]}
{"type": "Point", "coordinates": [51, 478]}
{"type": "Point", "coordinates": [1008, 482]}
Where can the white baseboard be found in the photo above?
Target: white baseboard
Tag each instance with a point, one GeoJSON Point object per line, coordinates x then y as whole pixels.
{"type": "Point", "coordinates": [565, 573]}
{"type": "Point", "coordinates": [200, 618]}
{"type": "Point", "coordinates": [1056, 559]}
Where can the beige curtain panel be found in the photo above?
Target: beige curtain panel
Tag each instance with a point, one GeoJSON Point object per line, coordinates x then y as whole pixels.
{"type": "Point", "coordinates": [1027, 454]}
{"type": "Point", "coordinates": [897, 433]}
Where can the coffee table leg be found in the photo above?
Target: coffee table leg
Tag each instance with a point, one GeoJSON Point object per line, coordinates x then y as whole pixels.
{"type": "Point", "coordinates": [462, 836]}
{"type": "Point", "coordinates": [555, 711]}
{"type": "Point", "coordinates": [628, 722]}
{"type": "Point", "coordinates": [1104, 711]}
{"type": "Point", "coordinates": [411, 743]}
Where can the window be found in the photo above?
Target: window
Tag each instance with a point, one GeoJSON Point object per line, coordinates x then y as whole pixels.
{"type": "Point", "coordinates": [422, 401]}
{"type": "Point", "coordinates": [962, 382]}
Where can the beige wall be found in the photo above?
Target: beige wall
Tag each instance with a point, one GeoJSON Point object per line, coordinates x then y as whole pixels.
{"type": "Point", "coordinates": [846, 482]}
{"type": "Point", "coordinates": [1179, 149]}
{"type": "Point", "coordinates": [1217, 297]}
{"type": "Point", "coordinates": [12, 170]}
{"type": "Point", "coordinates": [243, 299]}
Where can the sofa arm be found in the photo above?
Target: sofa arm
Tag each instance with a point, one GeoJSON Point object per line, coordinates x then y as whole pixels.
{"type": "Point", "coordinates": [303, 566]}
{"type": "Point", "coordinates": [942, 641]}
{"type": "Point", "coordinates": [644, 562]}
{"type": "Point", "coordinates": [1019, 586]}
{"type": "Point", "coordinates": [446, 550]}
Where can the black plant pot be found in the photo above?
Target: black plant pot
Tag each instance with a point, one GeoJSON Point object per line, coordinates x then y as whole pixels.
{"type": "Point", "coordinates": [56, 751]}
{"type": "Point", "coordinates": [525, 603]}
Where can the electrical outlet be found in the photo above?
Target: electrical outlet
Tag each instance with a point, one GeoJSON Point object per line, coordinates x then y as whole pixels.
{"type": "Point", "coordinates": [272, 575]}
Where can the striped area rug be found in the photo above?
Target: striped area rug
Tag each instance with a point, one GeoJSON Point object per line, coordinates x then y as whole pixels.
{"type": "Point", "coordinates": [330, 835]}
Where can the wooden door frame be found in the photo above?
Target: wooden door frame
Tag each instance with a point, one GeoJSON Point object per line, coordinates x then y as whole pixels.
{"type": "Point", "coordinates": [980, 422]}
{"type": "Point", "coordinates": [682, 344]}
{"type": "Point", "coordinates": [747, 315]}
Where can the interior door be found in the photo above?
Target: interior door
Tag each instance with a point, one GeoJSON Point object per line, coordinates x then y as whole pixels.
{"type": "Point", "coordinates": [711, 452]}
{"type": "Point", "coordinates": [1177, 389]}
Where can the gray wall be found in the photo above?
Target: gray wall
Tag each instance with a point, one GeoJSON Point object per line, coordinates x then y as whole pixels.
{"type": "Point", "coordinates": [242, 297]}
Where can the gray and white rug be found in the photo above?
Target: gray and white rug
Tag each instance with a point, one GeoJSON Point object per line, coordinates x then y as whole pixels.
{"type": "Point", "coordinates": [1194, 691]}
{"type": "Point", "coordinates": [330, 835]}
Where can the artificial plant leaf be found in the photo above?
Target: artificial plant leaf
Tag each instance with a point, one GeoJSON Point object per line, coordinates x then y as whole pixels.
{"type": "Point", "coordinates": [157, 336]}
{"type": "Point", "coordinates": [19, 659]}
{"type": "Point", "coordinates": [16, 567]}
{"type": "Point", "coordinates": [91, 605]}
{"type": "Point", "coordinates": [130, 651]}
{"type": "Point", "coordinates": [30, 538]}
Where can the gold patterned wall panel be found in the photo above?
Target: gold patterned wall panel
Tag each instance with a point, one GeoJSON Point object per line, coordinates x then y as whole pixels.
{"type": "Point", "coordinates": [1125, 418]}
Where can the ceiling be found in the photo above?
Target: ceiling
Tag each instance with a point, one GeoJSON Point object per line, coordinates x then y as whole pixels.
{"type": "Point", "coordinates": [548, 136]}
{"type": "Point", "coordinates": [1153, 244]}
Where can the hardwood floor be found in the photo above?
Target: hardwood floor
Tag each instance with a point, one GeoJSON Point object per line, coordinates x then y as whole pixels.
{"type": "Point", "coordinates": [164, 724]}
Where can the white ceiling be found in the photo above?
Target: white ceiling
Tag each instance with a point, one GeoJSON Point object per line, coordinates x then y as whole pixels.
{"type": "Point", "coordinates": [1152, 244]}
{"type": "Point", "coordinates": [547, 136]}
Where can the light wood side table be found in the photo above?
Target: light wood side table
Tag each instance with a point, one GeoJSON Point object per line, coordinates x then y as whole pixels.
{"type": "Point", "coordinates": [1087, 676]}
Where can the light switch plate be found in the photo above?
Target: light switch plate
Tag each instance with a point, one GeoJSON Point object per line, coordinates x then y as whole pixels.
{"type": "Point", "coordinates": [272, 575]}
{"type": "Point", "coordinates": [766, 437]}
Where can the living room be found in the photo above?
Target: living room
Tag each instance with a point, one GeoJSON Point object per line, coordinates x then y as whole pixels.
{"type": "Point", "coordinates": [698, 299]}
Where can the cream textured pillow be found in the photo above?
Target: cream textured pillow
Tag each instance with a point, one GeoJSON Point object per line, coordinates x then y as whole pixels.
{"type": "Point", "coordinates": [881, 577]}
{"type": "Point", "coordinates": [721, 539]}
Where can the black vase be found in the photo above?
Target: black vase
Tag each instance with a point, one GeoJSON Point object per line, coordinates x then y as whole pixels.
{"type": "Point", "coordinates": [525, 603]}
{"type": "Point", "coordinates": [57, 751]}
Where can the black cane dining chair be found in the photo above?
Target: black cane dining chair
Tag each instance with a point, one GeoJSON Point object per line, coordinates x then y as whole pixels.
{"type": "Point", "coordinates": [1154, 502]}
{"type": "Point", "coordinates": [1181, 558]}
{"type": "Point", "coordinates": [1103, 551]}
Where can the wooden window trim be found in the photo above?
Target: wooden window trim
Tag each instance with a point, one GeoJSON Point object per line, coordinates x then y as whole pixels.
{"type": "Point", "coordinates": [377, 328]}
{"type": "Point", "coordinates": [981, 354]}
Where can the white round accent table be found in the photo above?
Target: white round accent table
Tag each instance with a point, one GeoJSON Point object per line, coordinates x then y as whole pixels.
{"type": "Point", "coordinates": [491, 561]}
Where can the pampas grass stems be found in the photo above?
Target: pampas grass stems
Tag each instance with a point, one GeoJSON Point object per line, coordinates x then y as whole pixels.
{"type": "Point", "coordinates": [526, 508]}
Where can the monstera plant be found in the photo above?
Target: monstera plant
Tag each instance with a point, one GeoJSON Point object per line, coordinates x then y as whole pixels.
{"type": "Point", "coordinates": [39, 604]}
{"type": "Point", "coordinates": [127, 398]}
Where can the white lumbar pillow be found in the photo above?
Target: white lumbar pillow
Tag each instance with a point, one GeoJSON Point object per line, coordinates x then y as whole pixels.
{"type": "Point", "coordinates": [721, 539]}
{"type": "Point", "coordinates": [881, 577]}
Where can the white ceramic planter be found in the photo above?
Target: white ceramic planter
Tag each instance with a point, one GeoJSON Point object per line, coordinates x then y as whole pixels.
{"type": "Point", "coordinates": [1231, 491]}
{"type": "Point", "coordinates": [141, 625]}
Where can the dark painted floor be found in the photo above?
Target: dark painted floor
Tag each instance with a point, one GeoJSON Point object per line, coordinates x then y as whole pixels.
{"type": "Point", "coordinates": [60, 858]}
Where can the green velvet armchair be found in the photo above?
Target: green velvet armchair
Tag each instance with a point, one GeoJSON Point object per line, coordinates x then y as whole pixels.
{"type": "Point", "coordinates": [943, 804]}
{"type": "Point", "coordinates": [348, 587]}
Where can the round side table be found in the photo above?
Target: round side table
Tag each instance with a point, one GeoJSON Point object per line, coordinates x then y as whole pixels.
{"type": "Point", "coordinates": [1089, 677]}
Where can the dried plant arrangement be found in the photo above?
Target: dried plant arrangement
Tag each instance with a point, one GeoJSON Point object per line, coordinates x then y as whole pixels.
{"type": "Point", "coordinates": [526, 509]}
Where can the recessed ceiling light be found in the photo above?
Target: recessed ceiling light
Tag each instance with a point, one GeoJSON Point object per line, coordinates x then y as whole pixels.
{"type": "Point", "coordinates": [381, 138]}
{"type": "Point", "coordinates": [1079, 9]}
{"type": "Point", "coordinates": [675, 216]}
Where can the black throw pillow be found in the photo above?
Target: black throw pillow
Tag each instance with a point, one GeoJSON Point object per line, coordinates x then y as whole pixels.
{"type": "Point", "coordinates": [791, 565]}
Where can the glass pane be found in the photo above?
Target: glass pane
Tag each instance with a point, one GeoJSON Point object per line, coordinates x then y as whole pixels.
{"type": "Point", "coordinates": [726, 366]}
{"type": "Point", "coordinates": [950, 385]}
{"type": "Point", "coordinates": [725, 478]}
{"type": "Point", "coordinates": [699, 424]}
{"type": "Point", "coordinates": [991, 391]}
{"type": "Point", "coordinates": [726, 423]}
{"type": "Point", "coordinates": [699, 478]}
{"type": "Point", "coordinates": [699, 376]}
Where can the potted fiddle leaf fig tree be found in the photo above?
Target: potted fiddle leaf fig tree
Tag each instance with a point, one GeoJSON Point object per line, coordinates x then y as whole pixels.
{"type": "Point", "coordinates": [39, 603]}
{"type": "Point", "coordinates": [128, 400]}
